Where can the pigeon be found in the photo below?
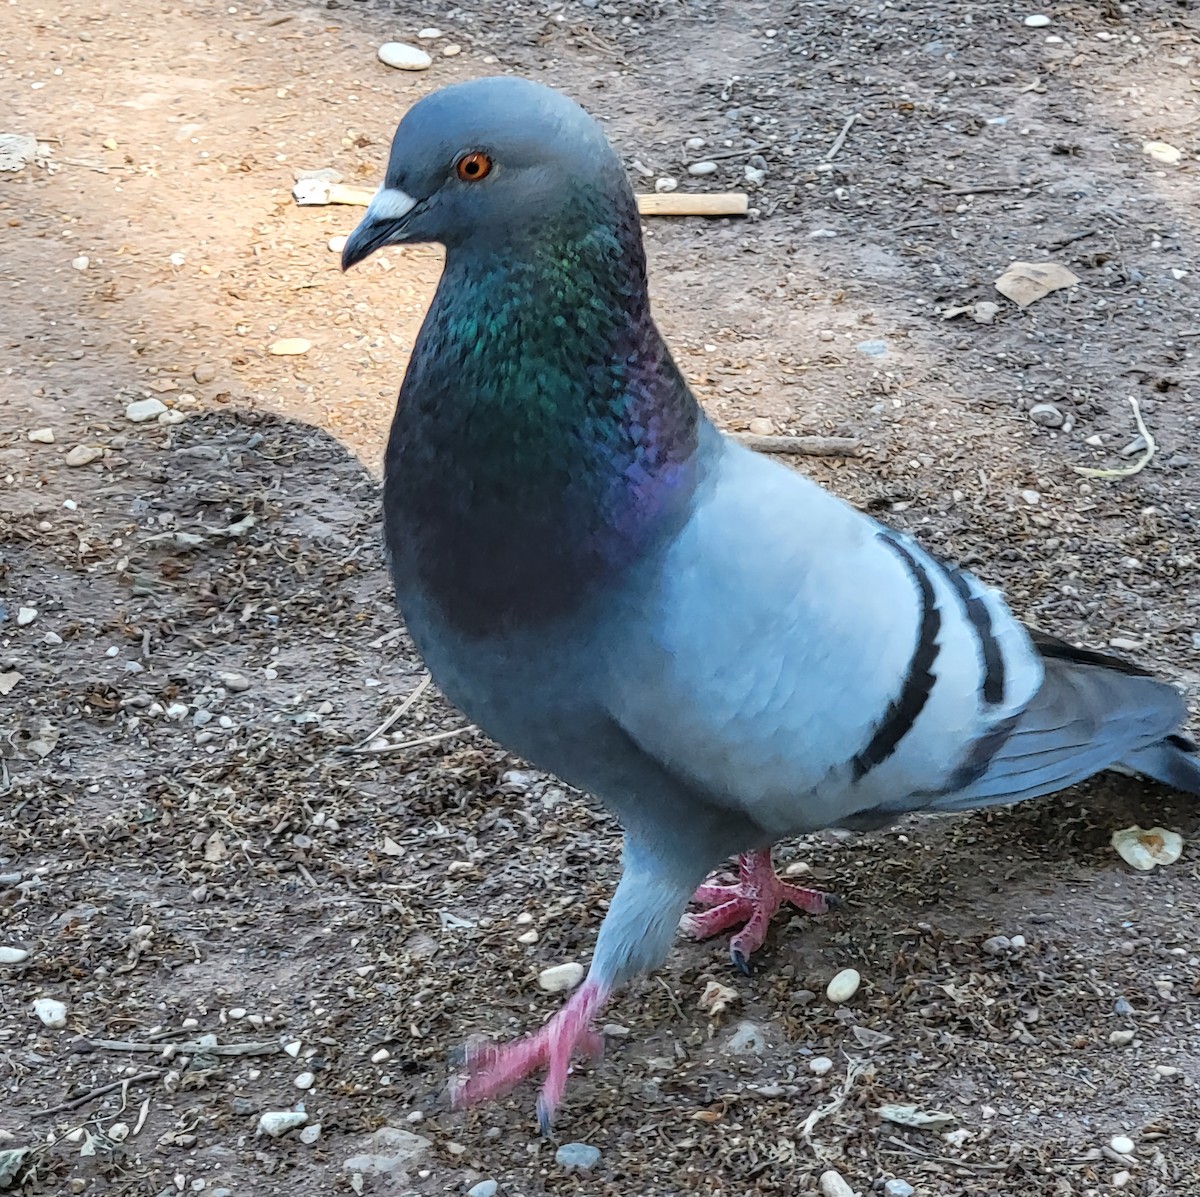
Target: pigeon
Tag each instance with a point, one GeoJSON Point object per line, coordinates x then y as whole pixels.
{"type": "Point", "coordinates": [714, 646]}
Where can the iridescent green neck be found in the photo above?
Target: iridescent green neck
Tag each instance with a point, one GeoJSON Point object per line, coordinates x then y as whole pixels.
{"type": "Point", "coordinates": [544, 437]}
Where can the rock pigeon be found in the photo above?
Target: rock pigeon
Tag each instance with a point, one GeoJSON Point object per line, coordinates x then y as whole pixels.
{"type": "Point", "coordinates": [714, 646]}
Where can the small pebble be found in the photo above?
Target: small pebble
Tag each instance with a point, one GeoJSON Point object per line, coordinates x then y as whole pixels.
{"type": "Point", "coordinates": [276, 1123]}
{"type": "Point", "coordinates": [41, 436]}
{"type": "Point", "coordinates": [1032, 497]}
{"type": "Point", "coordinates": [13, 955]}
{"type": "Point", "coordinates": [1121, 1006]}
{"type": "Point", "coordinates": [898, 1188]}
{"type": "Point", "coordinates": [293, 1048]}
{"type": "Point", "coordinates": [310, 1134]}
{"type": "Point", "coordinates": [695, 143]}
{"type": "Point", "coordinates": [453, 50]}
{"type": "Point", "coordinates": [1047, 415]}
{"type": "Point", "coordinates": [761, 426]}
{"type": "Point", "coordinates": [820, 1065]}
{"type": "Point", "coordinates": [1121, 1179]}
{"type": "Point", "coordinates": [404, 57]}
{"type": "Point", "coordinates": [485, 1188]}
{"type": "Point", "coordinates": [428, 35]}
{"type": "Point", "coordinates": [82, 262]}
{"type": "Point", "coordinates": [83, 455]}
{"type": "Point", "coordinates": [843, 986]}
{"type": "Point", "coordinates": [666, 183]}
{"type": "Point", "coordinates": [702, 168]}
{"type": "Point", "coordinates": [52, 1013]}
{"type": "Point", "coordinates": [142, 410]}
{"type": "Point", "coordinates": [236, 682]}
{"type": "Point", "coordinates": [1037, 20]}
{"type": "Point", "coordinates": [305, 1080]}
{"type": "Point", "coordinates": [581, 1157]}
{"type": "Point", "coordinates": [872, 348]}
{"type": "Point", "coordinates": [204, 373]}
{"type": "Point", "coordinates": [833, 1184]}
{"type": "Point", "coordinates": [1121, 1144]}
{"type": "Point", "coordinates": [1121, 1038]}
{"type": "Point", "coordinates": [289, 347]}
{"type": "Point", "coordinates": [1165, 1070]}
{"type": "Point", "coordinates": [997, 945]}
{"type": "Point", "coordinates": [26, 616]}
{"type": "Point", "coordinates": [560, 978]}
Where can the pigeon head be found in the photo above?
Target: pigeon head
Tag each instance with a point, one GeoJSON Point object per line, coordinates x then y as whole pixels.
{"type": "Point", "coordinates": [487, 164]}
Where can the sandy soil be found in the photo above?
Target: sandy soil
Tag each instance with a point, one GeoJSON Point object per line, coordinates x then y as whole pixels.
{"type": "Point", "coordinates": [187, 848]}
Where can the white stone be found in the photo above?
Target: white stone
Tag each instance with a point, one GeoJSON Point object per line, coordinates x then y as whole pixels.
{"type": "Point", "coordinates": [485, 1188]}
{"type": "Point", "coordinates": [13, 955]}
{"type": "Point", "coordinates": [305, 1080]}
{"type": "Point", "coordinates": [404, 57]}
{"type": "Point", "coordinates": [703, 168]}
{"type": "Point", "coordinates": [453, 50]}
{"type": "Point", "coordinates": [560, 978]}
{"type": "Point", "coordinates": [820, 1065]}
{"type": "Point", "coordinates": [82, 262]}
{"type": "Point", "coordinates": [310, 1134]}
{"type": "Point", "coordinates": [41, 436]}
{"type": "Point", "coordinates": [276, 1123]}
{"type": "Point", "coordinates": [51, 1012]}
{"type": "Point", "coordinates": [666, 183]}
{"type": "Point", "coordinates": [695, 143]}
{"type": "Point", "coordinates": [843, 986]}
{"type": "Point", "coordinates": [293, 1048]}
{"type": "Point", "coordinates": [1121, 1144]}
{"type": "Point", "coordinates": [1037, 20]}
{"type": "Point", "coordinates": [898, 1188]}
{"type": "Point", "coordinates": [833, 1184]}
{"type": "Point", "coordinates": [428, 35]}
{"type": "Point", "coordinates": [390, 1149]}
{"type": "Point", "coordinates": [83, 455]}
{"type": "Point", "coordinates": [26, 616]}
{"type": "Point", "coordinates": [142, 410]}
{"type": "Point", "coordinates": [338, 243]}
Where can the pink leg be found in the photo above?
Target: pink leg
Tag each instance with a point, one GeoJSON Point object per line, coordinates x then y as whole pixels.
{"type": "Point", "coordinates": [752, 901]}
{"type": "Point", "coordinates": [493, 1069]}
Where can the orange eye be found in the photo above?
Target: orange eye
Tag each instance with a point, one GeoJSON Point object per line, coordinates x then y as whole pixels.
{"type": "Point", "coordinates": [473, 167]}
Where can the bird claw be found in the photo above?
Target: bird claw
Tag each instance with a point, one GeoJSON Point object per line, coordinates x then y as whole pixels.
{"type": "Point", "coordinates": [492, 1069]}
{"type": "Point", "coordinates": [757, 895]}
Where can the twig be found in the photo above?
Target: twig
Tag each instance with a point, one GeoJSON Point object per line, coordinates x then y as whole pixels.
{"type": "Point", "coordinates": [1139, 465]}
{"type": "Point", "coordinates": [730, 154]}
{"type": "Point", "coordinates": [397, 714]}
{"type": "Point", "coordinates": [432, 739]}
{"type": "Point", "coordinates": [855, 1069]}
{"type": "Point", "coordinates": [100, 1091]}
{"type": "Point", "coordinates": [98, 168]}
{"type": "Point", "coordinates": [807, 446]}
{"type": "Point", "coordinates": [840, 139]}
{"type": "Point", "coordinates": [992, 188]}
{"type": "Point", "coordinates": [917, 224]}
{"type": "Point", "coordinates": [178, 1049]}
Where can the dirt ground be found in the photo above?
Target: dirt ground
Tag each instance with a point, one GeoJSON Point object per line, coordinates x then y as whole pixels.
{"type": "Point", "coordinates": [188, 849]}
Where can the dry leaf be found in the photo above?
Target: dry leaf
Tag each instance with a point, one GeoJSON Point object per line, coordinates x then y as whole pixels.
{"type": "Point", "coordinates": [214, 848]}
{"type": "Point", "coordinates": [391, 848]}
{"type": "Point", "coordinates": [717, 998]}
{"type": "Point", "coordinates": [1025, 282]}
{"type": "Point", "coordinates": [10, 1164]}
{"type": "Point", "coordinates": [1146, 849]}
{"type": "Point", "coordinates": [918, 1119]}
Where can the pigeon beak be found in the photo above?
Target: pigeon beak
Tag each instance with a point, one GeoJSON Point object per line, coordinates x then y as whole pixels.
{"type": "Point", "coordinates": [382, 223]}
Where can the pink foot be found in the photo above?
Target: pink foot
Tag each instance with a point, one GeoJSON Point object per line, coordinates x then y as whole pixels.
{"type": "Point", "coordinates": [493, 1069]}
{"type": "Point", "coordinates": [752, 901]}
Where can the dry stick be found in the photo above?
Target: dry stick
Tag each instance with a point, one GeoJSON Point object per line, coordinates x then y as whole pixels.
{"type": "Point", "coordinates": [398, 713]}
{"type": "Point", "coordinates": [178, 1049]}
{"type": "Point", "coordinates": [808, 446]}
{"type": "Point", "coordinates": [432, 739]}
{"type": "Point", "coordinates": [100, 1091]}
{"type": "Point", "coordinates": [840, 139]}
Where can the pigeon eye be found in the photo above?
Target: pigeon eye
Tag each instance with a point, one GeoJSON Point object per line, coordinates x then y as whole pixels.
{"type": "Point", "coordinates": [473, 167]}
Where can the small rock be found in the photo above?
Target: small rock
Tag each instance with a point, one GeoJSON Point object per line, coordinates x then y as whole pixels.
{"type": "Point", "coordinates": [577, 1157]}
{"type": "Point", "coordinates": [872, 348]}
{"type": "Point", "coordinates": [833, 1184]}
{"type": "Point", "coordinates": [276, 1123]}
{"type": "Point", "coordinates": [305, 1080]}
{"type": "Point", "coordinates": [1037, 20]}
{"type": "Point", "coordinates": [289, 347]}
{"type": "Point", "coordinates": [429, 35]}
{"type": "Point", "coordinates": [695, 143]}
{"type": "Point", "coordinates": [706, 167]}
{"type": "Point", "coordinates": [1121, 1144]}
{"type": "Point", "coordinates": [234, 682]}
{"type": "Point", "coordinates": [747, 1040]}
{"type": "Point", "coordinates": [1162, 151]}
{"type": "Point", "coordinates": [1032, 497]}
{"type": "Point", "coordinates": [1121, 1179]}
{"type": "Point", "coordinates": [1165, 1070]}
{"type": "Point", "coordinates": [83, 455]}
{"type": "Point", "coordinates": [293, 1048]}
{"type": "Point", "coordinates": [453, 50]}
{"type": "Point", "coordinates": [1047, 415]}
{"type": "Point", "coordinates": [527, 938]}
{"type": "Point", "coordinates": [171, 417]}
{"type": "Point", "coordinates": [41, 436]}
{"type": "Point", "coordinates": [310, 1134]}
{"type": "Point", "coordinates": [404, 57]}
{"type": "Point", "coordinates": [204, 373]}
{"type": "Point", "coordinates": [1121, 1006]}
{"type": "Point", "coordinates": [176, 711]}
{"type": "Point", "coordinates": [1121, 1038]}
{"type": "Point", "coordinates": [81, 263]}
{"type": "Point", "coordinates": [485, 1188]}
{"type": "Point", "coordinates": [820, 1065]}
{"type": "Point", "coordinates": [13, 955]}
{"type": "Point", "coordinates": [142, 410]}
{"type": "Point", "coordinates": [26, 616]}
{"type": "Point", "coordinates": [390, 1149]}
{"type": "Point", "coordinates": [666, 183]}
{"type": "Point", "coordinates": [754, 174]}
{"type": "Point", "coordinates": [761, 426]}
{"type": "Point", "coordinates": [560, 978]}
{"type": "Point", "coordinates": [338, 243]}
{"type": "Point", "coordinates": [997, 945]}
{"type": "Point", "coordinates": [898, 1188]}
{"type": "Point", "coordinates": [51, 1012]}
{"type": "Point", "coordinates": [843, 986]}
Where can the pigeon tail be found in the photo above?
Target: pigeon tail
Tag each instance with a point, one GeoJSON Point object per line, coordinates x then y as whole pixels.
{"type": "Point", "coordinates": [1174, 762]}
